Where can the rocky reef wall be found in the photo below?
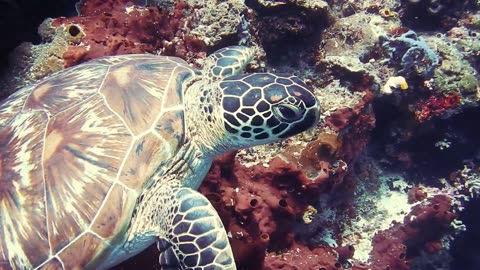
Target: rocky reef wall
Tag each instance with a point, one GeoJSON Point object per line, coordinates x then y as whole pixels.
{"type": "Point", "coordinates": [387, 178]}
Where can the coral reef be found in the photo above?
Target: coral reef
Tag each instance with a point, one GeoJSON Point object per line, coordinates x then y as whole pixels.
{"type": "Point", "coordinates": [458, 70]}
{"type": "Point", "coordinates": [389, 174]}
{"type": "Point", "coordinates": [19, 20]}
{"type": "Point", "coordinates": [421, 230]}
{"type": "Point", "coordinates": [31, 62]}
{"type": "Point", "coordinates": [216, 22]}
{"type": "Point", "coordinates": [112, 27]}
{"type": "Point", "coordinates": [260, 207]}
{"type": "Point", "coordinates": [436, 106]}
{"type": "Point", "coordinates": [287, 21]}
{"type": "Point", "coordinates": [212, 21]}
{"type": "Point", "coordinates": [428, 14]}
{"type": "Point", "coordinates": [413, 54]}
{"type": "Point", "coordinates": [104, 28]}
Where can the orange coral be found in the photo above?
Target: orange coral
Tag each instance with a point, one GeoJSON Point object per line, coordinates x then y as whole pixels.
{"type": "Point", "coordinates": [324, 148]}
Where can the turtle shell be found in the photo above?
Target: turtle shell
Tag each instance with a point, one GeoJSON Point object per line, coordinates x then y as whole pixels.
{"type": "Point", "coordinates": [76, 150]}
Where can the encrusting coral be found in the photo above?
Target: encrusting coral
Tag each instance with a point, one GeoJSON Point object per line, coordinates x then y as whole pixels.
{"type": "Point", "coordinates": [260, 207]}
{"type": "Point", "coordinates": [322, 200]}
{"type": "Point", "coordinates": [112, 27]}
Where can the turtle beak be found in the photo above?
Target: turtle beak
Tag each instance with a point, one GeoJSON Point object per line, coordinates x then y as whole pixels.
{"type": "Point", "coordinates": [316, 113]}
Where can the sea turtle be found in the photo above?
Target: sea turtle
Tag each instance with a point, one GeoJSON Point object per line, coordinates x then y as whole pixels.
{"type": "Point", "coordinates": [99, 161]}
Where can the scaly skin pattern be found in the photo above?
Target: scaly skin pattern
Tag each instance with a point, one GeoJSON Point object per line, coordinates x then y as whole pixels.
{"type": "Point", "coordinates": [103, 159]}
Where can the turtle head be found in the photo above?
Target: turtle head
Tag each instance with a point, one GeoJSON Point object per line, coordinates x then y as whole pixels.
{"type": "Point", "coordinates": [226, 110]}
{"type": "Point", "coordinates": [262, 108]}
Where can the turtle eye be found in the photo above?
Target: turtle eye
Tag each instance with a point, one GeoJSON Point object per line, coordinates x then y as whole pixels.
{"type": "Point", "coordinates": [288, 112]}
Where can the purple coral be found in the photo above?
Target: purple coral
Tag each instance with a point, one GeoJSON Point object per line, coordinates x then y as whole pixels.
{"type": "Point", "coordinates": [413, 53]}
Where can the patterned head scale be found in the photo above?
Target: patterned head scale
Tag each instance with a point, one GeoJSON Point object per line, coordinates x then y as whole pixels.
{"type": "Point", "coordinates": [265, 107]}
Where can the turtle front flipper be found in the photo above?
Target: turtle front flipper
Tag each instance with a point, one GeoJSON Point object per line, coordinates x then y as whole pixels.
{"type": "Point", "coordinates": [168, 260]}
{"type": "Point", "coordinates": [196, 238]}
{"type": "Point", "coordinates": [226, 62]}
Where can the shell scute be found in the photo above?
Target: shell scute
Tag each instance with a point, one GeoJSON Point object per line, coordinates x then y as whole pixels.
{"type": "Point", "coordinates": [21, 191]}
{"type": "Point", "coordinates": [112, 218]}
{"type": "Point", "coordinates": [171, 127]}
{"type": "Point", "coordinates": [79, 253]}
{"type": "Point", "coordinates": [12, 105]}
{"type": "Point", "coordinates": [148, 152]}
{"type": "Point", "coordinates": [135, 91]}
{"type": "Point", "coordinates": [117, 59]}
{"type": "Point", "coordinates": [85, 147]}
{"type": "Point", "coordinates": [52, 264]}
{"type": "Point", "coordinates": [66, 89]}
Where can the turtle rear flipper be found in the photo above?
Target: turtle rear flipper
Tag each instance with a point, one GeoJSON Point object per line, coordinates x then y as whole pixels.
{"type": "Point", "coordinates": [197, 237]}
